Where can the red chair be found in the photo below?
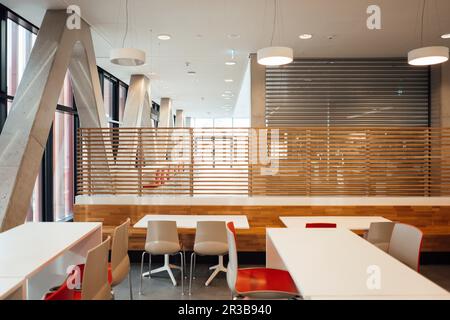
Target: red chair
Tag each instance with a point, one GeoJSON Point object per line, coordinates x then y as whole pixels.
{"type": "Point", "coordinates": [321, 225]}
{"type": "Point", "coordinates": [95, 284]}
{"type": "Point", "coordinates": [259, 283]}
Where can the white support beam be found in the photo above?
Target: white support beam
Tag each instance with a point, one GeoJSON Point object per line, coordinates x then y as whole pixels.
{"type": "Point", "coordinates": [165, 113]}
{"type": "Point", "coordinates": [26, 130]}
{"type": "Point", "coordinates": [179, 120]}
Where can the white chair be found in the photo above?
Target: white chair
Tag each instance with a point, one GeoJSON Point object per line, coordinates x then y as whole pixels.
{"type": "Point", "coordinates": [210, 240]}
{"type": "Point", "coordinates": [379, 234]}
{"type": "Point", "coordinates": [405, 245]}
{"type": "Point", "coordinates": [162, 239]}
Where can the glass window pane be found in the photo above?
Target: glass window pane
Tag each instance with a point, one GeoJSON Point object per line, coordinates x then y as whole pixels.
{"type": "Point", "coordinates": [223, 123]}
{"type": "Point", "coordinates": [241, 123]}
{"type": "Point", "coordinates": [35, 211]}
{"type": "Point", "coordinates": [108, 90]}
{"type": "Point", "coordinates": [204, 123]}
{"type": "Point", "coordinates": [63, 166]}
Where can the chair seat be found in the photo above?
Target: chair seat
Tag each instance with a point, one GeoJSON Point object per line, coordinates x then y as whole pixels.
{"type": "Point", "coordinates": [265, 283]}
{"type": "Point", "coordinates": [211, 248]}
{"type": "Point", "coordinates": [162, 247]}
{"type": "Point", "coordinates": [63, 293]}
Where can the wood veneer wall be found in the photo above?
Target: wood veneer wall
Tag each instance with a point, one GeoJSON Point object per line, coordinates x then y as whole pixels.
{"type": "Point", "coordinates": [434, 221]}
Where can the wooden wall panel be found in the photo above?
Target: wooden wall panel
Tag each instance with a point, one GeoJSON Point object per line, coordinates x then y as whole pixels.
{"type": "Point", "coordinates": [434, 221]}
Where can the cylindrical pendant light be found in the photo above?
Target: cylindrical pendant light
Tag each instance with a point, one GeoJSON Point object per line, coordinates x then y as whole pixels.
{"type": "Point", "coordinates": [275, 56]}
{"type": "Point", "coordinates": [128, 57]}
{"type": "Point", "coordinates": [428, 56]}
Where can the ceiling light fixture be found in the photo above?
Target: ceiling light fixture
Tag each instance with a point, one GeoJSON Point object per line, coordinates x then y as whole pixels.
{"type": "Point", "coordinates": [234, 36]}
{"type": "Point", "coordinates": [275, 56]}
{"type": "Point", "coordinates": [164, 37]}
{"type": "Point", "coordinates": [127, 57]}
{"type": "Point", "coordinates": [446, 36]}
{"type": "Point", "coordinates": [427, 56]}
{"type": "Point", "coordinates": [228, 80]}
{"type": "Point", "coordinates": [305, 36]}
{"type": "Point", "coordinates": [230, 63]}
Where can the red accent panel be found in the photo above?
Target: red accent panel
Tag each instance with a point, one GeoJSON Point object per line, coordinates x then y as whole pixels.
{"type": "Point", "coordinates": [321, 225]}
{"type": "Point", "coordinates": [264, 279]}
{"type": "Point", "coordinates": [230, 226]}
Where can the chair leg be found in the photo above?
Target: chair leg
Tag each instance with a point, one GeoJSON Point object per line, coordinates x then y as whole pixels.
{"type": "Point", "coordinates": [191, 273]}
{"type": "Point", "coordinates": [149, 265]}
{"type": "Point", "coordinates": [195, 266]}
{"type": "Point", "coordinates": [182, 272]}
{"type": "Point", "coordinates": [130, 285]}
{"type": "Point", "coordinates": [142, 272]}
{"type": "Point", "coordinates": [184, 262]}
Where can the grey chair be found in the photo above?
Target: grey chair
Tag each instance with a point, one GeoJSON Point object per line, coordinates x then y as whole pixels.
{"type": "Point", "coordinates": [162, 239]}
{"type": "Point", "coordinates": [210, 240]}
{"type": "Point", "coordinates": [380, 233]}
{"type": "Point", "coordinates": [405, 245]}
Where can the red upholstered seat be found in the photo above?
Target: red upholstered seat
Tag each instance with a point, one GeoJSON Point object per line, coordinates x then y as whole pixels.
{"type": "Point", "coordinates": [64, 293]}
{"type": "Point", "coordinates": [264, 279]}
{"type": "Point", "coordinates": [321, 225]}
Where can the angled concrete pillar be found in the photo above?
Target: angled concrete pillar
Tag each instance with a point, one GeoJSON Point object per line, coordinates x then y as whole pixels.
{"type": "Point", "coordinates": [165, 113]}
{"type": "Point", "coordinates": [258, 93]}
{"type": "Point", "coordinates": [179, 120]}
{"type": "Point", "coordinates": [139, 103]}
{"type": "Point", "coordinates": [26, 130]}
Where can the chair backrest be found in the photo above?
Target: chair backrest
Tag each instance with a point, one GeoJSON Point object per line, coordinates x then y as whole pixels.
{"type": "Point", "coordinates": [321, 225]}
{"type": "Point", "coordinates": [211, 231]}
{"type": "Point", "coordinates": [95, 285]}
{"type": "Point", "coordinates": [405, 244]}
{"type": "Point", "coordinates": [158, 231]}
{"type": "Point", "coordinates": [120, 262]}
{"type": "Point", "coordinates": [380, 232]}
{"type": "Point", "coordinates": [232, 269]}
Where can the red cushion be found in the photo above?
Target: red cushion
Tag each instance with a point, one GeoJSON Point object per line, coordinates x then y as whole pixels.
{"type": "Point", "coordinates": [321, 225]}
{"type": "Point", "coordinates": [64, 293]}
{"type": "Point", "coordinates": [264, 279]}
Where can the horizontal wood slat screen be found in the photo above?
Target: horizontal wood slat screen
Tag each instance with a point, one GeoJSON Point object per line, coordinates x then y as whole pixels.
{"type": "Point", "coordinates": [347, 92]}
{"type": "Point", "coordinates": [275, 162]}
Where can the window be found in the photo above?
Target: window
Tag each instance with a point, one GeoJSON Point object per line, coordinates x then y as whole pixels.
{"type": "Point", "coordinates": [108, 97]}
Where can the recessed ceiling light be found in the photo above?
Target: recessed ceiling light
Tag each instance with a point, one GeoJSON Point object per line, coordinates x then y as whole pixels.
{"type": "Point", "coordinates": [164, 37]}
{"type": "Point", "coordinates": [192, 73]}
{"type": "Point", "coordinates": [228, 92]}
{"type": "Point", "coordinates": [228, 80]}
{"type": "Point", "coordinates": [446, 36]}
{"type": "Point", "coordinates": [230, 63]}
{"type": "Point", "coordinates": [234, 36]}
{"type": "Point", "coordinates": [305, 36]}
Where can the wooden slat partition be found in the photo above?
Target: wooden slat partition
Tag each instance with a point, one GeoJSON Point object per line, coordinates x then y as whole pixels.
{"type": "Point", "coordinates": [312, 161]}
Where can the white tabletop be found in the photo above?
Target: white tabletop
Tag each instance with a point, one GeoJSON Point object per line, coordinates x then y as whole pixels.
{"type": "Point", "coordinates": [190, 221]}
{"type": "Point", "coordinates": [9, 285]}
{"type": "Point", "coordinates": [335, 262]}
{"type": "Point", "coordinates": [347, 222]}
{"type": "Point", "coordinates": [28, 248]}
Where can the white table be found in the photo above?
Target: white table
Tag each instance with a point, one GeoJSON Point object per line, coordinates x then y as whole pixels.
{"type": "Point", "coordinates": [333, 263]}
{"type": "Point", "coordinates": [190, 221]}
{"type": "Point", "coordinates": [41, 252]}
{"type": "Point", "coordinates": [347, 222]}
{"type": "Point", "coordinates": [12, 289]}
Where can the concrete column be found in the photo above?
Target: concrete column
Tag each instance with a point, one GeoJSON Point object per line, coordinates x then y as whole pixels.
{"type": "Point", "coordinates": [188, 122]}
{"type": "Point", "coordinates": [26, 130]}
{"type": "Point", "coordinates": [165, 113]}
{"type": "Point", "coordinates": [179, 121]}
{"type": "Point", "coordinates": [258, 93]}
{"type": "Point", "coordinates": [138, 106]}
{"type": "Point", "coordinates": [440, 95]}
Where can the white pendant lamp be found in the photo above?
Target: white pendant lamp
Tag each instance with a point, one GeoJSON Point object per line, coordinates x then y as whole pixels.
{"type": "Point", "coordinates": [127, 57]}
{"type": "Point", "coordinates": [427, 56]}
{"type": "Point", "coordinates": [275, 56]}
